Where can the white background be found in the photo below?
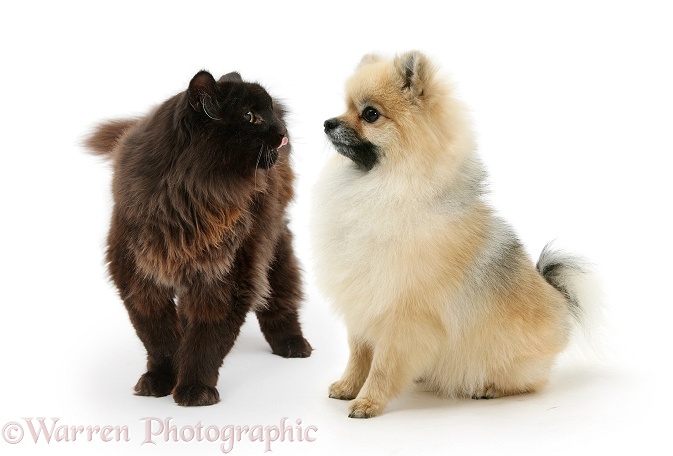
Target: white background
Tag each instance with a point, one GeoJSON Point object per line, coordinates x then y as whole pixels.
{"type": "Point", "coordinates": [573, 105]}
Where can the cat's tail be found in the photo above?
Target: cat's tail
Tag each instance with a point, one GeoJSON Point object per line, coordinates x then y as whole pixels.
{"type": "Point", "coordinates": [106, 135]}
{"type": "Point", "coordinates": [575, 278]}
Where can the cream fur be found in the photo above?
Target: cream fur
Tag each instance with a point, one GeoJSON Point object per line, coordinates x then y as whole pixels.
{"type": "Point", "coordinates": [431, 285]}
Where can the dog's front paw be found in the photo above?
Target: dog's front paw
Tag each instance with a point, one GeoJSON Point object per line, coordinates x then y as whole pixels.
{"type": "Point", "coordinates": [157, 384]}
{"type": "Point", "coordinates": [343, 390]}
{"type": "Point", "coordinates": [365, 408]}
{"type": "Point", "coordinates": [292, 347]}
{"type": "Point", "coordinates": [195, 395]}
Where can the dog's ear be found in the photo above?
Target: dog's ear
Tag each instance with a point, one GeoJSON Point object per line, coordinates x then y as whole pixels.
{"type": "Point", "coordinates": [201, 87]}
{"type": "Point", "coordinates": [414, 69]}
{"type": "Point", "coordinates": [367, 59]}
{"type": "Point", "coordinates": [234, 76]}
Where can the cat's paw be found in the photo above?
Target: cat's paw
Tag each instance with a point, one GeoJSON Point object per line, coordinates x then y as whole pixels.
{"type": "Point", "coordinates": [365, 408]}
{"type": "Point", "coordinates": [343, 390]}
{"type": "Point", "coordinates": [195, 395]}
{"type": "Point", "coordinates": [292, 347]}
{"type": "Point", "coordinates": [157, 384]}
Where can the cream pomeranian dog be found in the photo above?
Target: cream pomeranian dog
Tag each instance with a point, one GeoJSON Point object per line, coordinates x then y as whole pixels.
{"type": "Point", "coordinates": [433, 287]}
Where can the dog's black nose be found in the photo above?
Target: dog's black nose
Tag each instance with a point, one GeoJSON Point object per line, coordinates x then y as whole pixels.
{"type": "Point", "coordinates": [330, 124]}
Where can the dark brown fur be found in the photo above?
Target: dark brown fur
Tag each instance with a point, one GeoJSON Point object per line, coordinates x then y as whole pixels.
{"type": "Point", "coordinates": [199, 233]}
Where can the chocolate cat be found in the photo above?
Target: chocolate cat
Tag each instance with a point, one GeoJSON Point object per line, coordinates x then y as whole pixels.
{"type": "Point", "coordinates": [199, 234]}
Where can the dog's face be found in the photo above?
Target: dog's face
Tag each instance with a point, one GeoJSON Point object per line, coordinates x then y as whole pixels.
{"type": "Point", "coordinates": [390, 107]}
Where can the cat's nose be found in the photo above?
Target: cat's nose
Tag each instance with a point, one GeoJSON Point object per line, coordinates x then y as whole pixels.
{"type": "Point", "coordinates": [330, 124]}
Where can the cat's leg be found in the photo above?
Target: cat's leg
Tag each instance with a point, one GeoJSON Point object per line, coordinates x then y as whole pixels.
{"type": "Point", "coordinates": [279, 320]}
{"type": "Point", "coordinates": [213, 317]}
{"type": "Point", "coordinates": [152, 312]}
{"type": "Point", "coordinates": [357, 369]}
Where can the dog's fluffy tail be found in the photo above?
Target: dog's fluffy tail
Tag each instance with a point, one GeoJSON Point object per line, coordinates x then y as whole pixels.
{"type": "Point", "coordinates": [106, 135]}
{"type": "Point", "coordinates": [575, 278]}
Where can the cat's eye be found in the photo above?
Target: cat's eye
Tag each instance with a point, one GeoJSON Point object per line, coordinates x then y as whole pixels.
{"type": "Point", "coordinates": [370, 114]}
{"type": "Point", "coordinates": [249, 117]}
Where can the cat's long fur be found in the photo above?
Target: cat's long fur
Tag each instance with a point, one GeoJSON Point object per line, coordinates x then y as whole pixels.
{"type": "Point", "coordinates": [200, 187]}
{"type": "Point", "coordinates": [433, 287]}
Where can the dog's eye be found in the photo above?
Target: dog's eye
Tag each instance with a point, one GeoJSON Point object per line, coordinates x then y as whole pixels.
{"type": "Point", "coordinates": [249, 117]}
{"type": "Point", "coordinates": [370, 114]}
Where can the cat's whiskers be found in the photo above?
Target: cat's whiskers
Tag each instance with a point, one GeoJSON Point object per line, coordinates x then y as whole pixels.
{"type": "Point", "coordinates": [259, 157]}
{"type": "Point", "coordinates": [203, 103]}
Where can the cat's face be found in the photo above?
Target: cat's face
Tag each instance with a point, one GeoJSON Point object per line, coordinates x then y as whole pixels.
{"type": "Point", "coordinates": [239, 117]}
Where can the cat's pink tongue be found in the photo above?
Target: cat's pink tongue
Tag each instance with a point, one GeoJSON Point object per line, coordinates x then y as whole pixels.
{"type": "Point", "coordinates": [283, 142]}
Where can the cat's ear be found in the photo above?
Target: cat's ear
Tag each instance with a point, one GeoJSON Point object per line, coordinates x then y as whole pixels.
{"type": "Point", "coordinates": [231, 77]}
{"type": "Point", "coordinates": [201, 87]}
